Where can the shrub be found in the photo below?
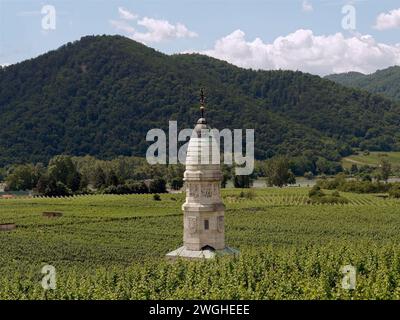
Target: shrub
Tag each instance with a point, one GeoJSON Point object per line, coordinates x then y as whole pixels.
{"type": "Point", "coordinates": [137, 186]}
{"type": "Point", "coordinates": [316, 192]}
{"type": "Point", "coordinates": [57, 189]}
{"type": "Point", "coordinates": [130, 187]}
{"type": "Point", "coordinates": [247, 194]}
{"type": "Point", "coordinates": [366, 177]}
{"type": "Point", "coordinates": [364, 187]}
{"type": "Point", "coordinates": [156, 197]}
{"type": "Point", "coordinates": [158, 185]}
{"type": "Point", "coordinates": [111, 190]}
{"type": "Point", "coordinates": [242, 182]}
{"type": "Point", "coordinates": [176, 183]}
{"type": "Point", "coordinates": [394, 191]}
{"type": "Point", "coordinates": [331, 184]}
{"type": "Point", "coordinates": [357, 186]}
{"type": "Point", "coordinates": [330, 199]}
{"type": "Point", "coordinates": [318, 196]}
{"type": "Point", "coordinates": [309, 175]}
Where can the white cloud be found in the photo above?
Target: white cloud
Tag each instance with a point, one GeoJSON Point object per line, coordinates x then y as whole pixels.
{"type": "Point", "coordinates": [126, 15]}
{"type": "Point", "coordinates": [155, 30]}
{"type": "Point", "coordinates": [389, 20]}
{"type": "Point", "coordinates": [304, 51]}
{"type": "Point", "coordinates": [123, 26]}
{"type": "Point", "coordinates": [160, 30]}
{"type": "Point", "coordinates": [307, 6]}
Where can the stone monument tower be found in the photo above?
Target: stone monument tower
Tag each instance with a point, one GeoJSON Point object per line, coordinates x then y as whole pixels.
{"type": "Point", "coordinates": [203, 211]}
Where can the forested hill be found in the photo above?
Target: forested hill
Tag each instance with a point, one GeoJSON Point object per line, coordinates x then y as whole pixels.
{"type": "Point", "coordinates": [385, 82]}
{"type": "Point", "coordinates": [100, 95]}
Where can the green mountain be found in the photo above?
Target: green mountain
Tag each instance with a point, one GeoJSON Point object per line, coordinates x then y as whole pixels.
{"type": "Point", "coordinates": [100, 95]}
{"type": "Point", "coordinates": [385, 82]}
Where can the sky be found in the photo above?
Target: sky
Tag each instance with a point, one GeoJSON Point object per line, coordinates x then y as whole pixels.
{"type": "Point", "coordinates": [316, 36]}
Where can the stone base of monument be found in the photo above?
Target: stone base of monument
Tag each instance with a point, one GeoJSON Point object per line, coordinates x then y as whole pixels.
{"type": "Point", "coordinates": [183, 253]}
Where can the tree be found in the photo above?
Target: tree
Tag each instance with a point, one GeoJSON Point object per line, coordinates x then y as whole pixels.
{"type": "Point", "coordinates": [3, 173]}
{"type": "Point", "coordinates": [366, 177]}
{"type": "Point", "coordinates": [325, 166]}
{"type": "Point", "coordinates": [99, 178]}
{"type": "Point", "coordinates": [309, 175]}
{"type": "Point", "coordinates": [158, 185]}
{"type": "Point", "coordinates": [175, 176]}
{"type": "Point", "coordinates": [51, 188]}
{"type": "Point", "coordinates": [226, 174]}
{"type": "Point", "coordinates": [278, 172]}
{"type": "Point", "coordinates": [42, 184]}
{"type": "Point", "coordinates": [291, 177]}
{"type": "Point", "coordinates": [75, 183]}
{"type": "Point", "coordinates": [137, 186]}
{"type": "Point", "coordinates": [62, 169]}
{"type": "Point", "coordinates": [84, 183]}
{"type": "Point", "coordinates": [112, 179]}
{"type": "Point", "coordinates": [302, 164]}
{"type": "Point", "coordinates": [61, 179]}
{"type": "Point", "coordinates": [243, 181]}
{"type": "Point", "coordinates": [176, 183]}
{"type": "Point", "coordinates": [23, 177]}
{"type": "Point", "coordinates": [353, 169]}
{"type": "Point", "coordinates": [385, 169]}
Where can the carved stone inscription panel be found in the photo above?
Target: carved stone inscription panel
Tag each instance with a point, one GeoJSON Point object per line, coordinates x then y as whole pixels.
{"type": "Point", "coordinates": [203, 190]}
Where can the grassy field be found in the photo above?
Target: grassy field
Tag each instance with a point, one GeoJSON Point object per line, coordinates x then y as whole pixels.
{"type": "Point", "coordinates": [113, 247]}
{"type": "Point", "coordinates": [372, 159]}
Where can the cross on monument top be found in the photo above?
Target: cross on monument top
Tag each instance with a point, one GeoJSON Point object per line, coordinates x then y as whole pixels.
{"type": "Point", "coordinates": [202, 102]}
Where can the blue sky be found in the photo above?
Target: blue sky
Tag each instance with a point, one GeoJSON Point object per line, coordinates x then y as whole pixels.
{"type": "Point", "coordinates": [307, 29]}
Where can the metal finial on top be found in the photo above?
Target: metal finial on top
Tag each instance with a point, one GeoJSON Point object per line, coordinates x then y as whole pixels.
{"type": "Point", "coordinates": [202, 102]}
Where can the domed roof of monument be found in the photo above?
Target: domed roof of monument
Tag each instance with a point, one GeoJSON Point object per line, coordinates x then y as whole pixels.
{"type": "Point", "coordinates": [201, 125]}
{"type": "Point", "coordinates": [203, 148]}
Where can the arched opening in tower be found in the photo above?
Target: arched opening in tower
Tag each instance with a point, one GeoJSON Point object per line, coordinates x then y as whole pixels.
{"type": "Point", "coordinates": [207, 247]}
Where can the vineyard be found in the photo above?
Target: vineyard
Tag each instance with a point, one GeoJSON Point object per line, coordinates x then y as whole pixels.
{"type": "Point", "coordinates": [113, 247]}
{"type": "Point", "coordinates": [372, 159]}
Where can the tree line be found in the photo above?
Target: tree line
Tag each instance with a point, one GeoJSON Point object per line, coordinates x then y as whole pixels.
{"type": "Point", "coordinates": [68, 175]}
